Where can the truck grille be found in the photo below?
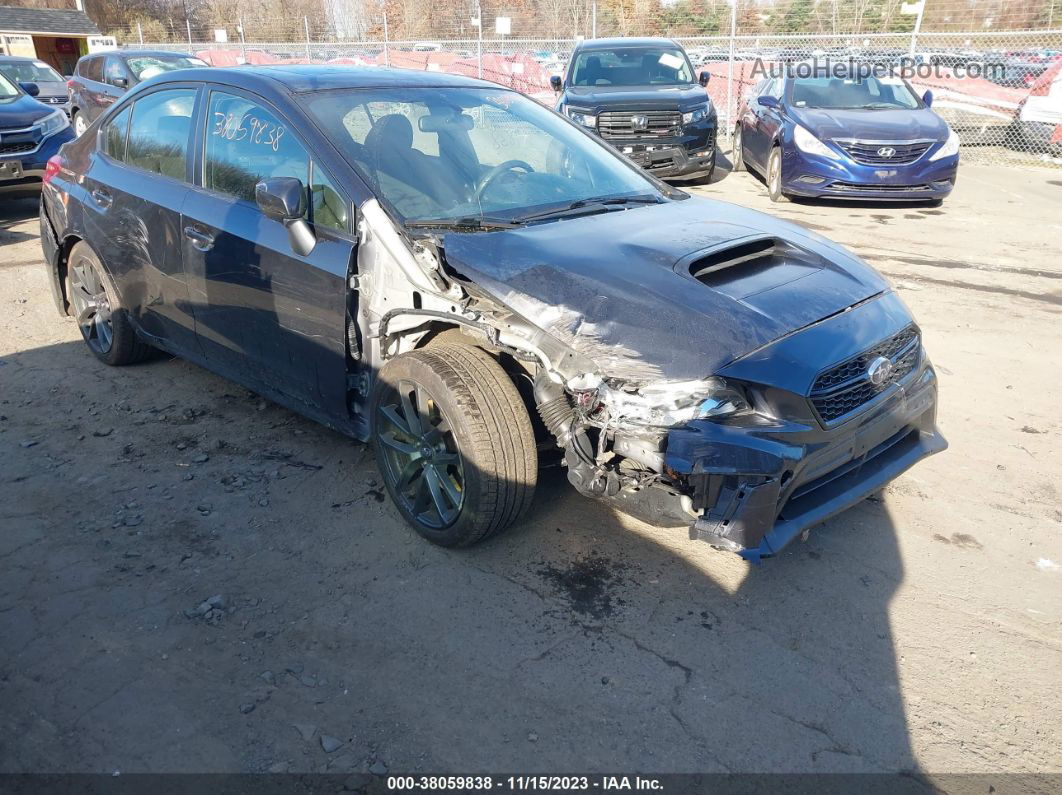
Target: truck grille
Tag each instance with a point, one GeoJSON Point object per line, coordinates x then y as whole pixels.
{"type": "Point", "coordinates": [883, 154]}
{"type": "Point", "coordinates": [846, 387]}
{"type": "Point", "coordinates": [621, 124]}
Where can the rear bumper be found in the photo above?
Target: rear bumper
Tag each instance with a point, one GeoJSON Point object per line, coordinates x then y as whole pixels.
{"type": "Point", "coordinates": [760, 488]}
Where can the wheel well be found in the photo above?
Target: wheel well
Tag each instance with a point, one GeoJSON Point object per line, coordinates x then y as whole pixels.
{"type": "Point", "coordinates": [61, 267]}
{"type": "Point", "coordinates": [520, 373]}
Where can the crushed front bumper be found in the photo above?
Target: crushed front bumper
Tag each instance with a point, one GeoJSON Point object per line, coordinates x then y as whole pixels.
{"type": "Point", "coordinates": [759, 488]}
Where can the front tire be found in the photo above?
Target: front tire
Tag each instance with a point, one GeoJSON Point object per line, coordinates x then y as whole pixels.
{"type": "Point", "coordinates": [97, 308]}
{"type": "Point", "coordinates": [738, 154]}
{"type": "Point", "coordinates": [454, 443]}
{"type": "Point", "coordinates": [774, 176]}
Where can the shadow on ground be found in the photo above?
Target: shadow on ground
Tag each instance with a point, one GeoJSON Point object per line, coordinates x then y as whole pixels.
{"type": "Point", "coordinates": [578, 640]}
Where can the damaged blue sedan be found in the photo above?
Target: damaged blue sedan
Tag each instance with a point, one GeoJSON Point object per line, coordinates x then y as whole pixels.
{"type": "Point", "coordinates": [473, 283]}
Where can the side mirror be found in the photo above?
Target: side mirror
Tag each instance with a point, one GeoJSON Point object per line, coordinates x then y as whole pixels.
{"type": "Point", "coordinates": [121, 82]}
{"type": "Point", "coordinates": [704, 78]}
{"type": "Point", "coordinates": [928, 99]}
{"type": "Point", "coordinates": [284, 199]}
{"type": "Point", "coordinates": [766, 101]}
{"type": "Point", "coordinates": [556, 83]}
{"type": "Point", "coordinates": [30, 88]}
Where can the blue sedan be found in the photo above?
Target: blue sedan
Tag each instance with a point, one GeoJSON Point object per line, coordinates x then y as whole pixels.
{"type": "Point", "coordinates": [821, 133]}
{"type": "Point", "coordinates": [30, 133]}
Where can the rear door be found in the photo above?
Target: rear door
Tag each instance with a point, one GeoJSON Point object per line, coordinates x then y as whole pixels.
{"type": "Point", "coordinates": [263, 311]}
{"type": "Point", "coordinates": [136, 186]}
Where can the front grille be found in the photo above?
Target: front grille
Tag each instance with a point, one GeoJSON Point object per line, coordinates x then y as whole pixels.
{"type": "Point", "coordinates": [17, 149]}
{"type": "Point", "coordinates": [846, 387]}
{"type": "Point", "coordinates": [620, 124]}
{"type": "Point", "coordinates": [853, 187]}
{"type": "Point", "coordinates": [52, 100]}
{"type": "Point", "coordinates": [884, 154]}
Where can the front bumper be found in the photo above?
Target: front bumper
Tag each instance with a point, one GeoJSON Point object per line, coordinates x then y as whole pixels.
{"type": "Point", "coordinates": [27, 170]}
{"type": "Point", "coordinates": [814, 176]}
{"type": "Point", "coordinates": [759, 488]}
{"type": "Point", "coordinates": [691, 154]}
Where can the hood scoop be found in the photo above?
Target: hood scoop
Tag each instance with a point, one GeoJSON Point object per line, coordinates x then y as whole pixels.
{"type": "Point", "coordinates": [751, 266]}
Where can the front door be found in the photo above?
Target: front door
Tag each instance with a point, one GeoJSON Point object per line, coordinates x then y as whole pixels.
{"type": "Point", "coordinates": [263, 312]}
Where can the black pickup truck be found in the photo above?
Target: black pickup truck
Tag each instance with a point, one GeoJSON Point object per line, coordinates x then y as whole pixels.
{"type": "Point", "coordinates": [641, 96]}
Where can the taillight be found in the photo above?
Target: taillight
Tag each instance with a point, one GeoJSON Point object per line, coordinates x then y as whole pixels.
{"type": "Point", "coordinates": [69, 83]}
{"type": "Point", "coordinates": [52, 167]}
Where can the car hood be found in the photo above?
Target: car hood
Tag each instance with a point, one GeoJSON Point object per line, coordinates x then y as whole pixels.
{"type": "Point", "coordinates": [21, 111]}
{"type": "Point", "coordinates": [872, 125]}
{"type": "Point", "coordinates": [599, 98]}
{"type": "Point", "coordinates": [617, 287]}
{"type": "Point", "coordinates": [52, 89]}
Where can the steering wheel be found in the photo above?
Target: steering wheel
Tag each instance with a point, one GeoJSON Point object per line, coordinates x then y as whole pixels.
{"type": "Point", "coordinates": [496, 172]}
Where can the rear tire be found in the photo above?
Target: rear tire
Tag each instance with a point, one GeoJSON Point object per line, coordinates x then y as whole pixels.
{"type": "Point", "coordinates": [454, 443]}
{"type": "Point", "coordinates": [774, 176]}
{"type": "Point", "coordinates": [80, 123]}
{"type": "Point", "coordinates": [737, 155]}
{"type": "Point", "coordinates": [96, 306]}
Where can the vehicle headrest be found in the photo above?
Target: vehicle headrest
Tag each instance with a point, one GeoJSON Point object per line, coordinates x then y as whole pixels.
{"type": "Point", "coordinates": [393, 128]}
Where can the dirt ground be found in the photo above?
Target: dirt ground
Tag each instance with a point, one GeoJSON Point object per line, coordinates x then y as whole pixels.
{"type": "Point", "coordinates": [920, 631]}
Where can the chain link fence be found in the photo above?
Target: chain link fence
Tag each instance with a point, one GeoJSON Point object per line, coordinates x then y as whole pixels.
{"type": "Point", "coordinates": [1000, 91]}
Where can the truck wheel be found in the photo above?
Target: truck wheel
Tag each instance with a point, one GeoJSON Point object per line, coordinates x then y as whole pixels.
{"type": "Point", "coordinates": [454, 443]}
{"type": "Point", "coordinates": [774, 176]}
{"type": "Point", "coordinates": [96, 307]}
{"type": "Point", "coordinates": [737, 155]}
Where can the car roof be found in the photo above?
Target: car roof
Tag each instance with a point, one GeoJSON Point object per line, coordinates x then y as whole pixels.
{"type": "Point", "coordinates": [301, 78]}
{"type": "Point", "coordinates": [171, 53]}
{"type": "Point", "coordinates": [623, 41]}
{"type": "Point", "coordinates": [131, 53]}
{"type": "Point", "coordinates": [18, 59]}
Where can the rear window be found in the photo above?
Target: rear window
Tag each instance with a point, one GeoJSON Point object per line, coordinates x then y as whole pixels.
{"type": "Point", "coordinates": [91, 68]}
{"type": "Point", "coordinates": [158, 133]}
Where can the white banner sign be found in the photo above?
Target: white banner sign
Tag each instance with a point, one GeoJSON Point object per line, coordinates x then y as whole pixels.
{"type": "Point", "coordinates": [100, 43]}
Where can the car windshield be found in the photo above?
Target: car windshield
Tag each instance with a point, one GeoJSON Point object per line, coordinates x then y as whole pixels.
{"type": "Point", "coordinates": [852, 93]}
{"type": "Point", "coordinates": [145, 66]}
{"type": "Point", "coordinates": [458, 153]}
{"type": "Point", "coordinates": [632, 66]}
{"type": "Point", "coordinates": [30, 72]}
{"type": "Point", "coordinates": [7, 88]}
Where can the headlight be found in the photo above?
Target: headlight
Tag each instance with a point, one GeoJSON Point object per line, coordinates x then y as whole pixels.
{"type": "Point", "coordinates": [670, 403]}
{"type": "Point", "coordinates": [696, 115]}
{"type": "Point", "coordinates": [806, 142]}
{"type": "Point", "coordinates": [582, 117]}
{"type": "Point", "coordinates": [52, 123]}
{"type": "Point", "coordinates": [951, 146]}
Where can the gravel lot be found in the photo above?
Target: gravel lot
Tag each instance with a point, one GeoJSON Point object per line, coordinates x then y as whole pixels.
{"type": "Point", "coordinates": [193, 579]}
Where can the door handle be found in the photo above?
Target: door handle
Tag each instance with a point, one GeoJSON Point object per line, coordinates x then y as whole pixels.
{"type": "Point", "coordinates": [201, 240]}
{"type": "Point", "coordinates": [102, 198]}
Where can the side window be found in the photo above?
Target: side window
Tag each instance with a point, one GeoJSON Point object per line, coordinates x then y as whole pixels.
{"type": "Point", "coordinates": [91, 69]}
{"type": "Point", "coordinates": [777, 87]}
{"type": "Point", "coordinates": [327, 205]}
{"type": "Point", "coordinates": [114, 134]}
{"type": "Point", "coordinates": [158, 132]}
{"type": "Point", "coordinates": [113, 70]}
{"type": "Point", "coordinates": [246, 143]}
